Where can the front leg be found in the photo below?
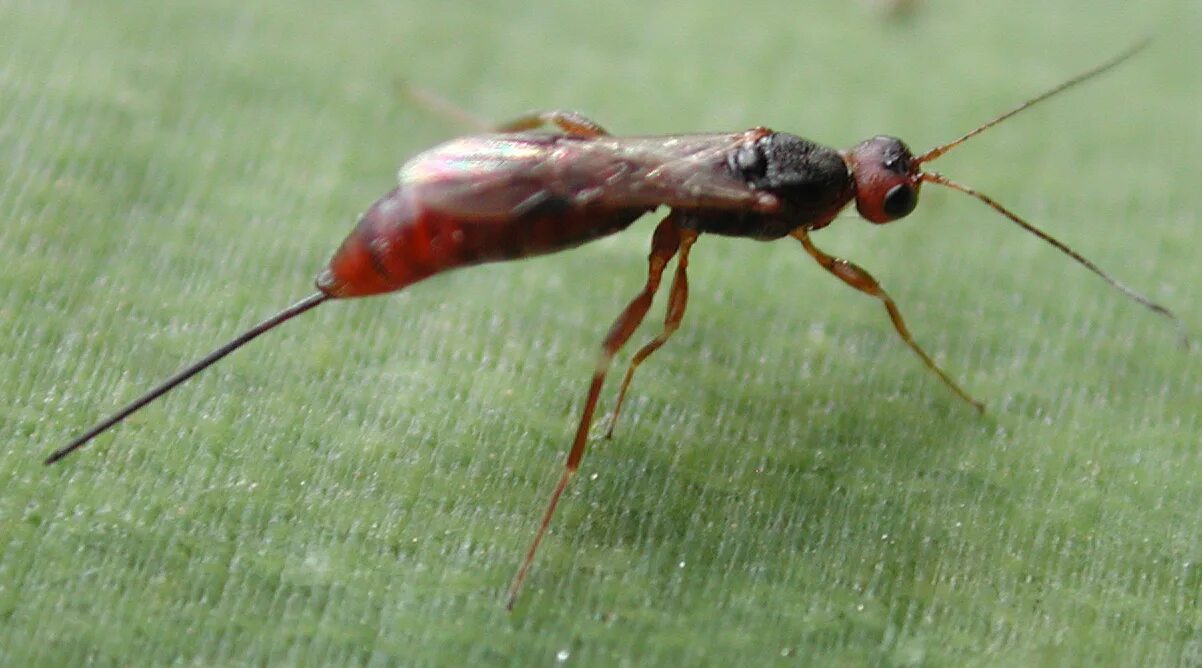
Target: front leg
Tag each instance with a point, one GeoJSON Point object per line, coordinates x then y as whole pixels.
{"type": "Point", "coordinates": [861, 280]}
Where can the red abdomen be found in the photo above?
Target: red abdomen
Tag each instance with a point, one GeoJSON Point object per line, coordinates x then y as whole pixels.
{"type": "Point", "coordinates": [400, 241]}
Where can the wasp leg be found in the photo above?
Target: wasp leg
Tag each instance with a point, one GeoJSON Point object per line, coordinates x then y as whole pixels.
{"type": "Point", "coordinates": [678, 299]}
{"type": "Point", "coordinates": [571, 122]}
{"type": "Point", "coordinates": [664, 244]}
{"type": "Point", "coordinates": [440, 107]}
{"type": "Point", "coordinates": [861, 280]}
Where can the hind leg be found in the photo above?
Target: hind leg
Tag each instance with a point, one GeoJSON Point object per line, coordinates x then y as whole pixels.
{"type": "Point", "coordinates": [570, 122]}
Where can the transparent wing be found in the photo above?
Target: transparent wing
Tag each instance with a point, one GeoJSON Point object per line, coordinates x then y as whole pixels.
{"type": "Point", "coordinates": [501, 176]}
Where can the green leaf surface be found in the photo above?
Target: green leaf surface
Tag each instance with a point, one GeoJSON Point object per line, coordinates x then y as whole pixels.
{"type": "Point", "coordinates": [788, 484]}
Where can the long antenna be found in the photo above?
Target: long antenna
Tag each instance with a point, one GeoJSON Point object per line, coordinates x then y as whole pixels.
{"type": "Point", "coordinates": [934, 177]}
{"type": "Point", "coordinates": [1084, 76]}
{"type": "Point", "coordinates": [1063, 248]}
{"type": "Point", "coordinates": [167, 385]}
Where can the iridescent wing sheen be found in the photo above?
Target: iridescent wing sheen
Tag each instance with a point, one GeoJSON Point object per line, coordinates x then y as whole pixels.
{"type": "Point", "coordinates": [488, 177]}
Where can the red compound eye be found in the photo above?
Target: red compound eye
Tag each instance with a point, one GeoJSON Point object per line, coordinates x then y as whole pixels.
{"type": "Point", "coordinates": [900, 200]}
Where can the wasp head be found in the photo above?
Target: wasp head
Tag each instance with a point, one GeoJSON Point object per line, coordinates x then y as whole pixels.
{"type": "Point", "coordinates": [886, 178]}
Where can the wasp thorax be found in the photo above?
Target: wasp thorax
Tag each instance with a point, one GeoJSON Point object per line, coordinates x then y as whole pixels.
{"type": "Point", "coordinates": [886, 178]}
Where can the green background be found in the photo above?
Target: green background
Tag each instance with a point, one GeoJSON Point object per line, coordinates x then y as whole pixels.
{"type": "Point", "coordinates": [788, 484]}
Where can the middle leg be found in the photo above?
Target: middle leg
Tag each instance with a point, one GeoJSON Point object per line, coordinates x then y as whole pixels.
{"type": "Point", "coordinates": [664, 244]}
{"type": "Point", "coordinates": [678, 299]}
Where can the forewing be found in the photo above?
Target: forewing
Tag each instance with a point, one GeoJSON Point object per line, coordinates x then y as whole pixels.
{"type": "Point", "coordinates": [502, 176]}
{"type": "Point", "coordinates": [686, 172]}
{"type": "Point", "coordinates": [479, 177]}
